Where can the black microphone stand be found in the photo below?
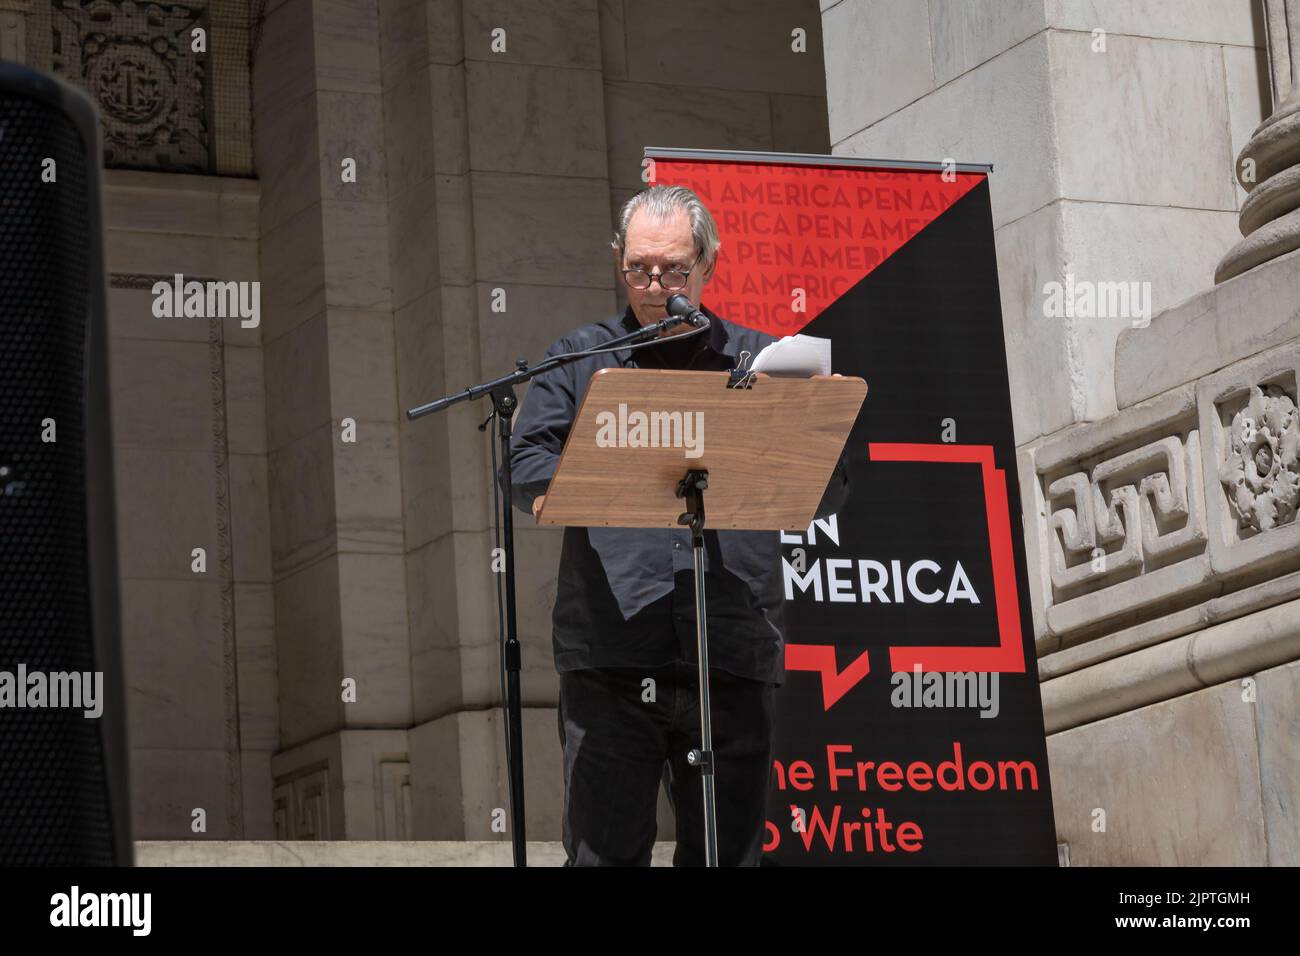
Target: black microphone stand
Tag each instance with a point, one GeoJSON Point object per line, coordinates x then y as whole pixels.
{"type": "Point", "coordinates": [504, 405]}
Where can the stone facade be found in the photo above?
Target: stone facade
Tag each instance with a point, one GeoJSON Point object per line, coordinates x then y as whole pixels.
{"type": "Point", "coordinates": [191, 472]}
{"type": "Point", "coordinates": [488, 165]}
{"type": "Point", "coordinates": [1112, 127]}
{"type": "Point", "coordinates": [1157, 453]}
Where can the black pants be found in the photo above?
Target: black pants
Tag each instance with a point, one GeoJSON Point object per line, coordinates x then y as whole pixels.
{"type": "Point", "coordinates": [619, 746]}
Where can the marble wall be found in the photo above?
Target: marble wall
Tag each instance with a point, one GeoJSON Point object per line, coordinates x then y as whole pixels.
{"type": "Point", "coordinates": [489, 165]}
{"type": "Point", "coordinates": [1156, 451]}
{"type": "Point", "coordinates": [309, 611]}
{"type": "Point", "coordinates": [190, 471]}
{"type": "Point", "coordinates": [1113, 129]}
{"type": "Point", "coordinates": [331, 672]}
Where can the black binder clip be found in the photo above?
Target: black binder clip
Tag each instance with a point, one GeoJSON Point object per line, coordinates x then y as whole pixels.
{"type": "Point", "coordinates": [739, 377]}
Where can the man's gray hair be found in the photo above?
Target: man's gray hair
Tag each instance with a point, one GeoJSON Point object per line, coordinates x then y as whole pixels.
{"type": "Point", "coordinates": [661, 202]}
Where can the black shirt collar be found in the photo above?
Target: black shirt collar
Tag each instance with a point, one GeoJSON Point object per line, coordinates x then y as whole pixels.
{"type": "Point", "coordinates": [720, 338]}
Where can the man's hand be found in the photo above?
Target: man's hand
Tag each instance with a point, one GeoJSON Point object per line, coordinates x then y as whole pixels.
{"type": "Point", "coordinates": [537, 505]}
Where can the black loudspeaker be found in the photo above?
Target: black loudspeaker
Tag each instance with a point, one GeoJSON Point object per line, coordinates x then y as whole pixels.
{"type": "Point", "coordinates": [63, 775]}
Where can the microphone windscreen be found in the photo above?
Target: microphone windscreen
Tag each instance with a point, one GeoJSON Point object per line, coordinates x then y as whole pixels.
{"type": "Point", "coordinates": [679, 305]}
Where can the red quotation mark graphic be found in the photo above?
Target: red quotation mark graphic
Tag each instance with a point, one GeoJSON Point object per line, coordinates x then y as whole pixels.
{"type": "Point", "coordinates": [1008, 656]}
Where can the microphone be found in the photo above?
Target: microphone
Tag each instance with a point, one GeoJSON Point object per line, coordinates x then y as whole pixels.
{"type": "Point", "coordinates": [681, 307]}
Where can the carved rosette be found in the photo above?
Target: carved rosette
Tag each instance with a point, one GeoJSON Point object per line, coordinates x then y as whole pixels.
{"type": "Point", "coordinates": [1260, 474]}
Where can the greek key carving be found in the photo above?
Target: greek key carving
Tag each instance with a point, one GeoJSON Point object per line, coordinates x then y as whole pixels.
{"type": "Point", "coordinates": [1148, 500]}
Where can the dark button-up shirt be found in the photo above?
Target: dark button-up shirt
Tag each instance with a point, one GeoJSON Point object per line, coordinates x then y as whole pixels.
{"type": "Point", "coordinates": [625, 597]}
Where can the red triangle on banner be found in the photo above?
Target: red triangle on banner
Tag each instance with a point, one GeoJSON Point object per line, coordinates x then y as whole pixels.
{"type": "Point", "coordinates": [797, 237]}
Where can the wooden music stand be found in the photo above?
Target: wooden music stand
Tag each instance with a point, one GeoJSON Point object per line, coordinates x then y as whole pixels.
{"type": "Point", "coordinates": [765, 453]}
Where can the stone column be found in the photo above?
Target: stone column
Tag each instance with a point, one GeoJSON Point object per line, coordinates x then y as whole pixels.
{"type": "Point", "coordinates": [491, 140]}
{"type": "Point", "coordinates": [1269, 166]}
{"type": "Point", "coordinates": [334, 465]}
{"type": "Point", "coordinates": [499, 197]}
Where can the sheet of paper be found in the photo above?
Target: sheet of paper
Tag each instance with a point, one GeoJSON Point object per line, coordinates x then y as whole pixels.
{"type": "Point", "coordinates": [795, 355]}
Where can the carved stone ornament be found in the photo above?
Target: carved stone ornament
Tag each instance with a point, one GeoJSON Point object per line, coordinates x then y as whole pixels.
{"type": "Point", "coordinates": [1260, 474]}
{"type": "Point", "coordinates": [138, 63]}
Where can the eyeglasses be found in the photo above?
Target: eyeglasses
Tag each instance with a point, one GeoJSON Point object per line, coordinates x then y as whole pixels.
{"type": "Point", "coordinates": [670, 280]}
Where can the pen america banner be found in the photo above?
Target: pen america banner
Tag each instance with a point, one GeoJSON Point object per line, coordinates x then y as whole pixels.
{"type": "Point", "coordinates": [909, 727]}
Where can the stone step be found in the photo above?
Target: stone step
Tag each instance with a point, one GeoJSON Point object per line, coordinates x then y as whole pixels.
{"type": "Point", "coordinates": [355, 853]}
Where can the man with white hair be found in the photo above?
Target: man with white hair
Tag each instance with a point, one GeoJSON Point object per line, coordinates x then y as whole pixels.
{"type": "Point", "coordinates": [625, 598]}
